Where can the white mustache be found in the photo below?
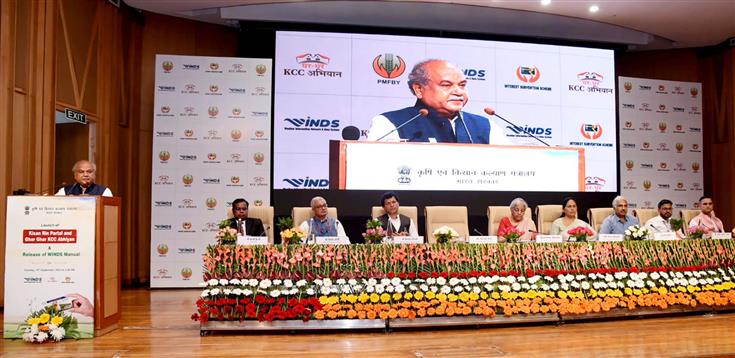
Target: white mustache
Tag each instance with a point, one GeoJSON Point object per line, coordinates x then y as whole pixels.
{"type": "Point", "coordinates": [456, 99]}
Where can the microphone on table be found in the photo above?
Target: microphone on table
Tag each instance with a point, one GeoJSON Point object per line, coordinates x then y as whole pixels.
{"type": "Point", "coordinates": [423, 112]}
{"type": "Point", "coordinates": [44, 192]}
{"type": "Point", "coordinates": [491, 112]}
{"type": "Point", "coordinates": [477, 232]}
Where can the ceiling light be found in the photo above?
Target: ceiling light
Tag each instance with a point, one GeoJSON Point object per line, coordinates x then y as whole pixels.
{"type": "Point", "coordinates": [594, 8]}
{"type": "Point", "coordinates": [545, 2]}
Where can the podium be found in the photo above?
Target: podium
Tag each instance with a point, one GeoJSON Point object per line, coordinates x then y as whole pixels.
{"type": "Point", "coordinates": [59, 248]}
{"type": "Point", "coordinates": [359, 165]}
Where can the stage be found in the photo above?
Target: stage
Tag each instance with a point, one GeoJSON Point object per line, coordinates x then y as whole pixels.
{"type": "Point", "coordinates": [157, 323]}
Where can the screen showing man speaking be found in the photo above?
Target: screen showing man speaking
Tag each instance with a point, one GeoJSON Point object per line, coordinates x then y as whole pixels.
{"type": "Point", "coordinates": [429, 114]}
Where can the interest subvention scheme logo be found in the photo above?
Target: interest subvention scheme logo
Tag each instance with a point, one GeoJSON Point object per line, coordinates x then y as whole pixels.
{"type": "Point", "coordinates": [591, 131]}
{"type": "Point", "coordinates": [528, 74]}
{"type": "Point", "coordinates": [389, 65]}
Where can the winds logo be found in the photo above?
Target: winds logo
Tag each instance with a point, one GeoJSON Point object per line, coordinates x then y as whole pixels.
{"type": "Point", "coordinates": [313, 123]}
{"type": "Point", "coordinates": [590, 79]}
{"type": "Point", "coordinates": [167, 66]}
{"type": "Point", "coordinates": [527, 131]}
{"type": "Point", "coordinates": [307, 182]}
{"type": "Point", "coordinates": [591, 131]}
{"type": "Point", "coordinates": [389, 66]}
{"type": "Point", "coordinates": [528, 74]}
{"type": "Point", "coordinates": [313, 61]}
{"type": "Point", "coordinates": [164, 155]}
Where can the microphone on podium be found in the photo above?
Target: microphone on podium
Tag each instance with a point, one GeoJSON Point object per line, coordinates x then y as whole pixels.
{"type": "Point", "coordinates": [351, 133]}
{"type": "Point", "coordinates": [423, 112]}
{"type": "Point", "coordinates": [491, 112]}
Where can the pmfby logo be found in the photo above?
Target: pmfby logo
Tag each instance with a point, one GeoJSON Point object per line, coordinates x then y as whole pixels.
{"type": "Point", "coordinates": [528, 74]}
{"type": "Point", "coordinates": [389, 66]}
{"type": "Point", "coordinates": [307, 182]}
{"type": "Point", "coordinates": [591, 131]}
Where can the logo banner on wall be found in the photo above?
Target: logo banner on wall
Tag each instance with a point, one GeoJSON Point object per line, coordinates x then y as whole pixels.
{"type": "Point", "coordinates": [660, 142]}
{"type": "Point", "coordinates": [211, 145]}
{"type": "Point", "coordinates": [49, 261]}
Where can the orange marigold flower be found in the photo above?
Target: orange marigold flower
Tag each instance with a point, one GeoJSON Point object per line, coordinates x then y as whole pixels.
{"type": "Point", "coordinates": [319, 315]}
{"type": "Point", "coordinates": [371, 314]}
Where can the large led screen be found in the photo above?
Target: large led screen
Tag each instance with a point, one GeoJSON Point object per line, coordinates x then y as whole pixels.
{"type": "Point", "coordinates": [330, 85]}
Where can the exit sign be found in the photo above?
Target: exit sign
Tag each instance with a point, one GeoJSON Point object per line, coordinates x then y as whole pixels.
{"type": "Point", "coordinates": [75, 115]}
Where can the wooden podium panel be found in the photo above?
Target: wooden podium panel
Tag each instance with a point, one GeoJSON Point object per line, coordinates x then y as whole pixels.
{"type": "Point", "coordinates": [107, 280]}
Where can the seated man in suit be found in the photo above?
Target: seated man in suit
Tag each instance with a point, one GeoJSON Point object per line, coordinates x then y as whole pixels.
{"type": "Point", "coordinates": [321, 224]}
{"type": "Point", "coordinates": [84, 176]}
{"type": "Point", "coordinates": [244, 225]}
{"type": "Point", "coordinates": [437, 116]}
{"type": "Point", "coordinates": [396, 224]}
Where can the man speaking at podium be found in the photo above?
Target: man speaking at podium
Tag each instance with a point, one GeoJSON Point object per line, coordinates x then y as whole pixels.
{"type": "Point", "coordinates": [84, 176]}
{"type": "Point", "coordinates": [437, 116]}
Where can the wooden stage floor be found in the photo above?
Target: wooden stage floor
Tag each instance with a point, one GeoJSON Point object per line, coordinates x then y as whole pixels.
{"type": "Point", "coordinates": [156, 323]}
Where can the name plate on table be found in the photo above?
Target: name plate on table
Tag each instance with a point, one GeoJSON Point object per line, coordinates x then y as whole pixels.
{"type": "Point", "coordinates": [492, 239]}
{"type": "Point", "coordinates": [665, 236]}
{"type": "Point", "coordinates": [721, 235]}
{"type": "Point", "coordinates": [609, 237]}
{"type": "Point", "coordinates": [406, 240]}
{"type": "Point", "coordinates": [252, 240]}
{"type": "Point", "coordinates": [332, 240]}
{"type": "Point", "coordinates": [548, 239]}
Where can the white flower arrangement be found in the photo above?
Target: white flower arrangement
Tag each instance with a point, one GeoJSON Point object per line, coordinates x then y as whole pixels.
{"type": "Point", "coordinates": [445, 234]}
{"type": "Point", "coordinates": [637, 232]}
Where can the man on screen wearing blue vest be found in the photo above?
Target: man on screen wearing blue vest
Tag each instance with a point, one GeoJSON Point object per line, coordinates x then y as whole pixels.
{"type": "Point", "coordinates": [437, 116]}
{"type": "Point", "coordinates": [84, 176]}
